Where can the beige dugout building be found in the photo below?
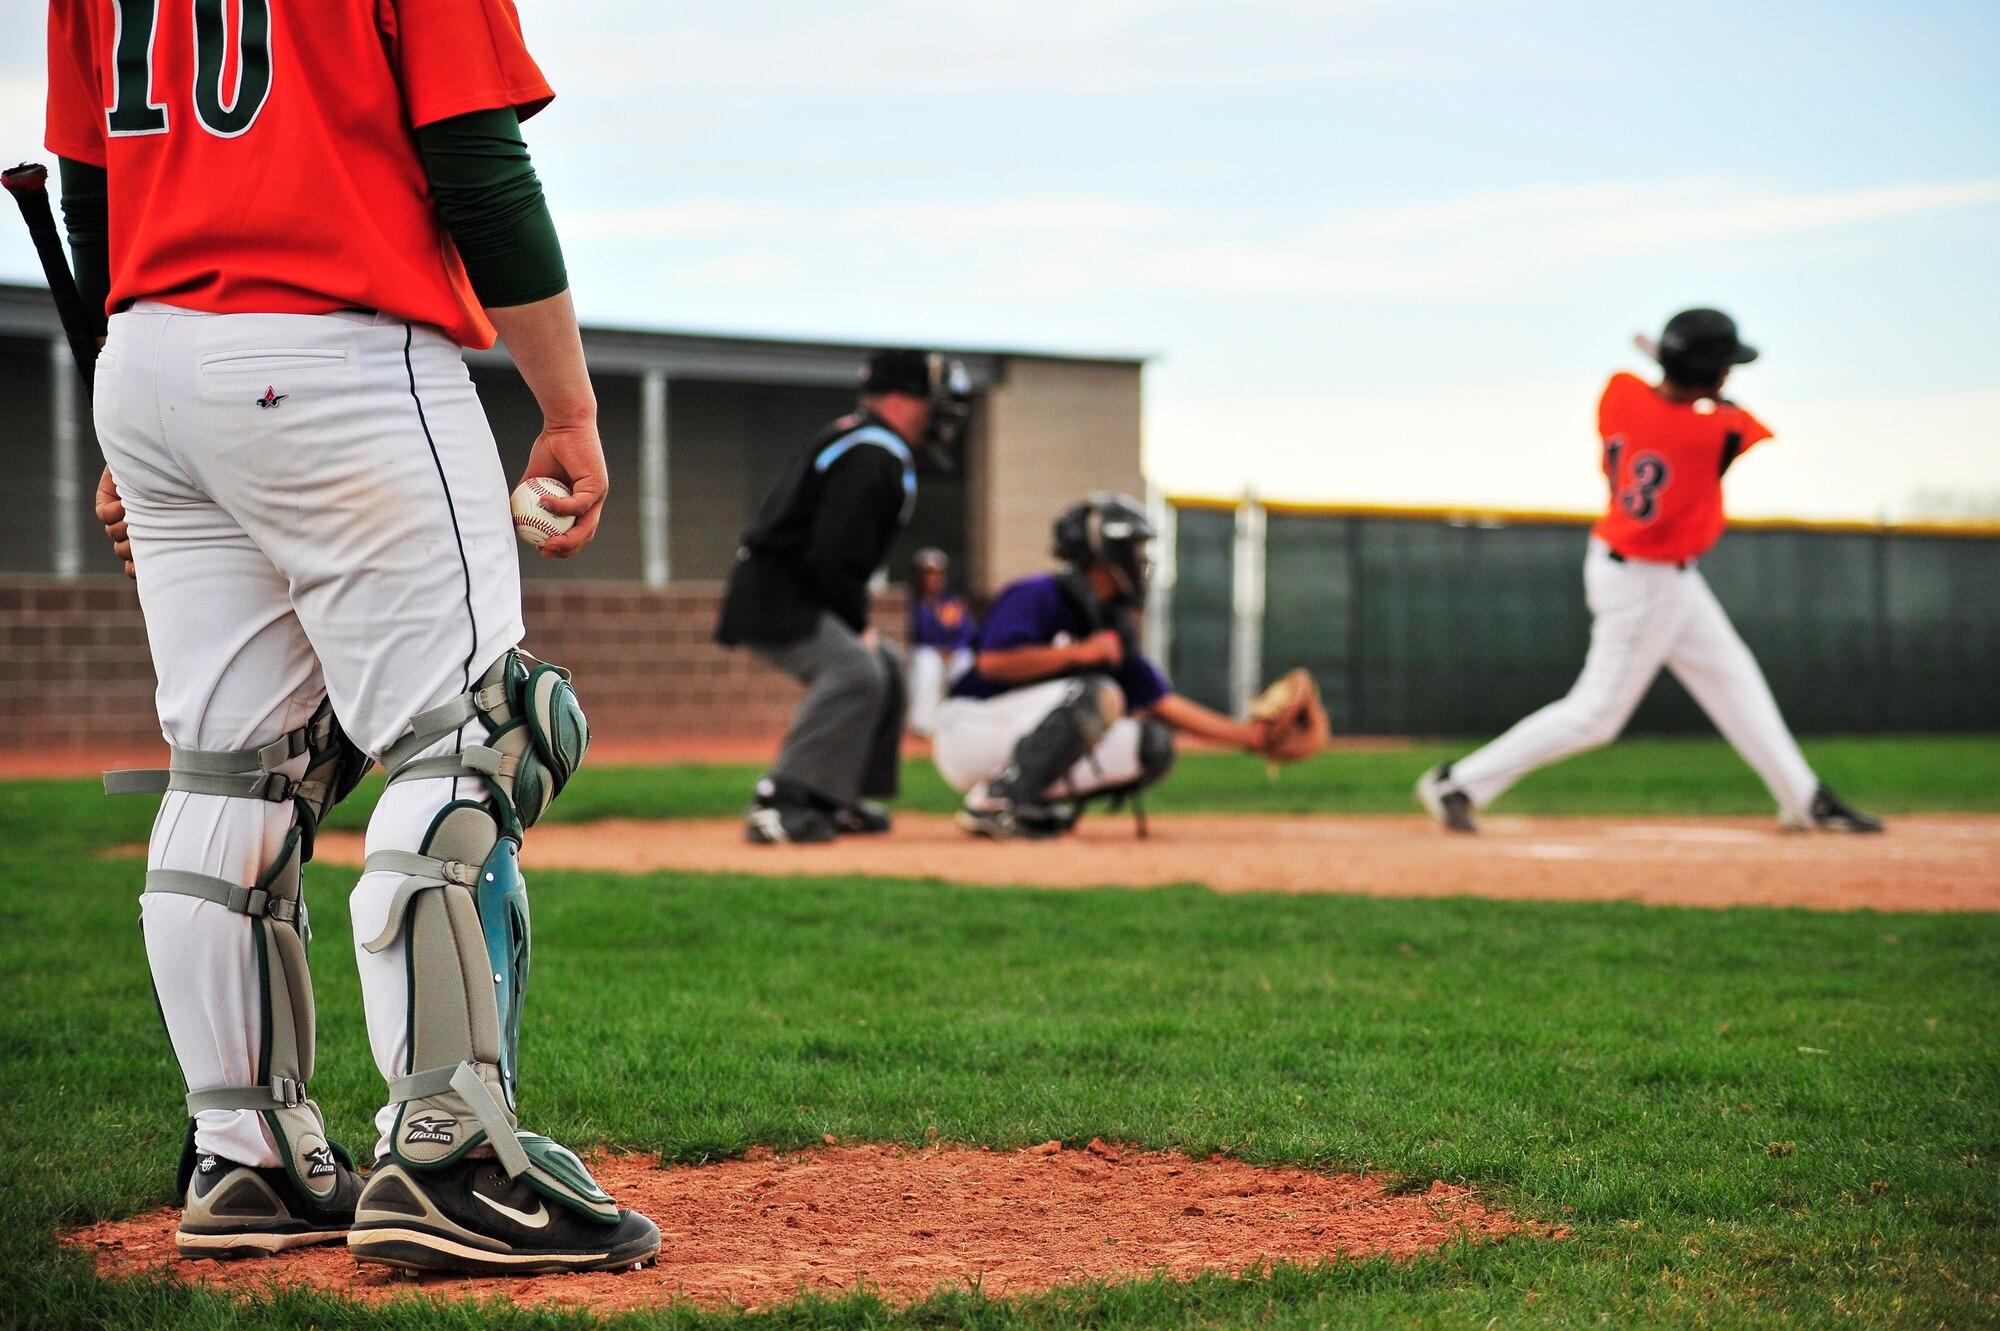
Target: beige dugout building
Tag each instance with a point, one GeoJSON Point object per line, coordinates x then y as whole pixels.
{"type": "Point", "coordinates": [696, 429]}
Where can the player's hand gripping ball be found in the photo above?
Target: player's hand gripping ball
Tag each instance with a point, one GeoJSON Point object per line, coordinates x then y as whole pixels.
{"type": "Point", "coordinates": [1292, 719]}
{"type": "Point", "coordinates": [533, 522]}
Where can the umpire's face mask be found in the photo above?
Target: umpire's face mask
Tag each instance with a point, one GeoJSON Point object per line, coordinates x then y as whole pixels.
{"type": "Point", "coordinates": [951, 407]}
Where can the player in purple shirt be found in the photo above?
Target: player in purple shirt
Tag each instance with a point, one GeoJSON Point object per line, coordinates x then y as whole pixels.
{"type": "Point", "coordinates": [941, 634]}
{"type": "Point", "coordinates": [1061, 706]}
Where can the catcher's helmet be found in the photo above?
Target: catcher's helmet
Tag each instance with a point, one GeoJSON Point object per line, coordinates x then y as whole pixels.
{"type": "Point", "coordinates": [1109, 530]}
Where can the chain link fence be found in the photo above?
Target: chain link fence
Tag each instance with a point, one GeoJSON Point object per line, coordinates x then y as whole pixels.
{"type": "Point", "coordinates": [1435, 624]}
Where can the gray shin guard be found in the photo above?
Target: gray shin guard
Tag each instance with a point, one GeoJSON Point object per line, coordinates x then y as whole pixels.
{"type": "Point", "coordinates": [280, 931]}
{"type": "Point", "coordinates": [1063, 739]}
{"type": "Point", "coordinates": [462, 912]}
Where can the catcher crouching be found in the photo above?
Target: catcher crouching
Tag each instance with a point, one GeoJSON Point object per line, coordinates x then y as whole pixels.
{"type": "Point", "coordinates": [1062, 708]}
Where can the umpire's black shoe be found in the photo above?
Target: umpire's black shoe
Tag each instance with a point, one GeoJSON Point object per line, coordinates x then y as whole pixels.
{"type": "Point", "coordinates": [1830, 813]}
{"type": "Point", "coordinates": [866, 818]}
{"type": "Point", "coordinates": [1451, 806]}
{"type": "Point", "coordinates": [781, 814]}
{"type": "Point", "coordinates": [472, 1217]}
{"type": "Point", "coordinates": [233, 1210]}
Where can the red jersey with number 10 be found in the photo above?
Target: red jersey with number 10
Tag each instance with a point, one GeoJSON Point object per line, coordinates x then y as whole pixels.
{"type": "Point", "coordinates": [1665, 461]}
{"type": "Point", "coordinates": [260, 153]}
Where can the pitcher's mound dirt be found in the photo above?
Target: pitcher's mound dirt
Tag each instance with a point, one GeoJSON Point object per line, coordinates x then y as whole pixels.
{"type": "Point", "coordinates": [762, 1230]}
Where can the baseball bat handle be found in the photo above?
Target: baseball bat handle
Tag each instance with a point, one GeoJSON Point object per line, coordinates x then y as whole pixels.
{"type": "Point", "coordinates": [29, 184]}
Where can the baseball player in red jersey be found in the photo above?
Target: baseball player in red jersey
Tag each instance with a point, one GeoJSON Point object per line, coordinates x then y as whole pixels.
{"type": "Point", "coordinates": [1666, 448]}
{"type": "Point", "coordinates": [296, 215]}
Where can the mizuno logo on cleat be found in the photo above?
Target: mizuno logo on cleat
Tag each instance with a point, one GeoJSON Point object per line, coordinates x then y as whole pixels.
{"type": "Point", "coordinates": [272, 397]}
{"type": "Point", "coordinates": [321, 1160]}
{"type": "Point", "coordinates": [534, 1219]}
{"type": "Point", "coordinates": [431, 1129]}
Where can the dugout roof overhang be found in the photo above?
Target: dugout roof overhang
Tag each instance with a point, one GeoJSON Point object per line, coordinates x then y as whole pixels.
{"type": "Point", "coordinates": [27, 311]}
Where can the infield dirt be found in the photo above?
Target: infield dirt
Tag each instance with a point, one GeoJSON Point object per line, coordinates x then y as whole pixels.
{"type": "Point", "coordinates": [764, 1229]}
{"type": "Point", "coordinates": [1932, 862]}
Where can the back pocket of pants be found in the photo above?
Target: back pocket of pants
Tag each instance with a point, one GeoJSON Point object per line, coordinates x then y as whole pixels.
{"type": "Point", "coordinates": [252, 362]}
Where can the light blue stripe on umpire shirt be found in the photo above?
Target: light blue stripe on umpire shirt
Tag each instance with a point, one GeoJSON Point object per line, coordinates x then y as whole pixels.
{"type": "Point", "coordinates": [881, 438]}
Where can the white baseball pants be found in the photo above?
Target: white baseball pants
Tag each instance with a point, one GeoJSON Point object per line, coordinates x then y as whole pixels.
{"type": "Point", "coordinates": [931, 673]}
{"type": "Point", "coordinates": [975, 738]}
{"type": "Point", "coordinates": [316, 508]}
{"type": "Point", "coordinates": [1649, 615]}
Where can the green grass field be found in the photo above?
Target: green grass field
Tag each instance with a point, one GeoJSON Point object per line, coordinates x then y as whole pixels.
{"type": "Point", "coordinates": [1620, 1070]}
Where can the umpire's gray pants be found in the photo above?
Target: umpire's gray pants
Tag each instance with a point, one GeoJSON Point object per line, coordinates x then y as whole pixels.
{"type": "Point", "coordinates": [835, 730]}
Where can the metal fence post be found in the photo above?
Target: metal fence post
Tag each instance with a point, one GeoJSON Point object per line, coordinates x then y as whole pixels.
{"type": "Point", "coordinates": [1246, 638]}
{"type": "Point", "coordinates": [653, 477]}
{"type": "Point", "coordinates": [1166, 567]}
{"type": "Point", "coordinates": [66, 553]}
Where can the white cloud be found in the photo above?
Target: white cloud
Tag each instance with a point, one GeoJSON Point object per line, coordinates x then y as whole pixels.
{"type": "Point", "coordinates": [909, 48]}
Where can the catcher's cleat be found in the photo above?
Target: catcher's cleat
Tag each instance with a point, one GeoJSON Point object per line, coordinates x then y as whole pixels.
{"type": "Point", "coordinates": [1017, 822]}
{"type": "Point", "coordinates": [1830, 813]}
{"type": "Point", "coordinates": [866, 818]}
{"type": "Point", "coordinates": [471, 1217]}
{"type": "Point", "coordinates": [1450, 806]}
{"type": "Point", "coordinates": [233, 1210]}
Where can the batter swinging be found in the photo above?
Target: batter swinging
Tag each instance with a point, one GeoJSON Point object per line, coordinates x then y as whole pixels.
{"type": "Point", "coordinates": [1665, 451]}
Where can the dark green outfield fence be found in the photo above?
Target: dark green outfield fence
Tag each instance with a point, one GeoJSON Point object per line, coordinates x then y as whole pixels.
{"type": "Point", "coordinates": [1434, 626]}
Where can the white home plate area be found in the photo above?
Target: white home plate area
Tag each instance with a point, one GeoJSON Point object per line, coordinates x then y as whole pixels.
{"type": "Point", "coordinates": [1928, 862]}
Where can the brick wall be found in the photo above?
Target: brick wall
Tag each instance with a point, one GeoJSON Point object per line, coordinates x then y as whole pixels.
{"type": "Point", "coordinates": [79, 675]}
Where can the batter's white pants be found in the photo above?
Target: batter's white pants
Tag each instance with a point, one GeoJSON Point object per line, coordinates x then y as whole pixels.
{"type": "Point", "coordinates": [975, 738]}
{"type": "Point", "coordinates": [1646, 616]}
{"type": "Point", "coordinates": [931, 673]}
{"type": "Point", "coordinates": [351, 538]}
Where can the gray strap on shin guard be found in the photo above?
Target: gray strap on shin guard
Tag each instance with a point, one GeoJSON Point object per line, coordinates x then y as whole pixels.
{"type": "Point", "coordinates": [458, 1094]}
{"type": "Point", "coordinates": [279, 933]}
{"type": "Point", "coordinates": [280, 929]}
{"type": "Point", "coordinates": [1063, 739]}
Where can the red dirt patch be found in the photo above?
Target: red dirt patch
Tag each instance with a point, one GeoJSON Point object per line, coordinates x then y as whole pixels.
{"type": "Point", "coordinates": [762, 1230]}
{"type": "Point", "coordinates": [1933, 862]}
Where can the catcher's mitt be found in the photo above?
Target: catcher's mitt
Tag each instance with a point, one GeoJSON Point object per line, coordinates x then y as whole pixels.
{"type": "Point", "coordinates": [1292, 719]}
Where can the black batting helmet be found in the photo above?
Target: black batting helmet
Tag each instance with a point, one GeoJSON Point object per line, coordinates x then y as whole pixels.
{"type": "Point", "coordinates": [1109, 530]}
{"type": "Point", "coordinates": [1698, 346]}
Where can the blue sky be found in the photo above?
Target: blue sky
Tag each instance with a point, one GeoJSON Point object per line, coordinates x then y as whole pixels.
{"type": "Point", "coordinates": [1383, 252]}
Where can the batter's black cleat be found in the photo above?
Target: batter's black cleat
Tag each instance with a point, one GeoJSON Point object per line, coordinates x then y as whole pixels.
{"type": "Point", "coordinates": [783, 815]}
{"type": "Point", "coordinates": [866, 818]}
{"type": "Point", "coordinates": [233, 1210]}
{"type": "Point", "coordinates": [471, 1217]}
{"type": "Point", "coordinates": [1830, 813]}
{"type": "Point", "coordinates": [1451, 806]}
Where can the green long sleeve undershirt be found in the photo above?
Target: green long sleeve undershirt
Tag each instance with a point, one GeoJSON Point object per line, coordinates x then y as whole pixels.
{"type": "Point", "coordinates": [486, 191]}
{"type": "Point", "coordinates": [482, 183]}
{"type": "Point", "coordinates": [86, 207]}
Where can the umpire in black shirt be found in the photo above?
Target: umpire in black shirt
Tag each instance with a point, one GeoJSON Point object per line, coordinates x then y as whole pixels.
{"type": "Point", "coordinates": [798, 597]}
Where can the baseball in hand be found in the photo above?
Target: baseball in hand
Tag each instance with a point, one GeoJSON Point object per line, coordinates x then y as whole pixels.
{"type": "Point", "coordinates": [534, 523]}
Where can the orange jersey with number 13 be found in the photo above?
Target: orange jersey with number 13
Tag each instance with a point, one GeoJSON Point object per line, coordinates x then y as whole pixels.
{"type": "Point", "coordinates": [259, 152]}
{"type": "Point", "coordinates": [1664, 461]}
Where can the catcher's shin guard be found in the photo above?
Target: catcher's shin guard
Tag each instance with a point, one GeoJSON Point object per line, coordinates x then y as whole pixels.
{"type": "Point", "coordinates": [462, 911]}
{"type": "Point", "coordinates": [1062, 739]}
{"type": "Point", "coordinates": [280, 931]}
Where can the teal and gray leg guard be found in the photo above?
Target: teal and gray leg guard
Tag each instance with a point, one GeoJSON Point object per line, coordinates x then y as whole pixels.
{"type": "Point", "coordinates": [462, 911]}
{"type": "Point", "coordinates": [280, 931]}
